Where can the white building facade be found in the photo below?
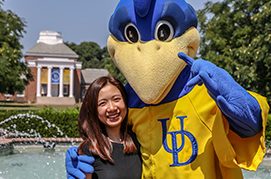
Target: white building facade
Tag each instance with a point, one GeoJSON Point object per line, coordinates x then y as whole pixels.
{"type": "Point", "coordinates": [55, 69]}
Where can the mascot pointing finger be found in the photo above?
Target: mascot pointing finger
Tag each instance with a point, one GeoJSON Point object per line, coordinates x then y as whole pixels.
{"type": "Point", "coordinates": [190, 117]}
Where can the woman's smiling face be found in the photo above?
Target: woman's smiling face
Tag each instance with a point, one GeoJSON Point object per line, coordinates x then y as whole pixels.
{"type": "Point", "coordinates": [111, 106]}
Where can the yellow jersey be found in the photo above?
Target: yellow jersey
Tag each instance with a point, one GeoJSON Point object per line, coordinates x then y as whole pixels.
{"type": "Point", "coordinates": [190, 138]}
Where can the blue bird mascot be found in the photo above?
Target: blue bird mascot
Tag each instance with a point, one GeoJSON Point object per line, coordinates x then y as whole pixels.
{"type": "Point", "coordinates": [191, 118]}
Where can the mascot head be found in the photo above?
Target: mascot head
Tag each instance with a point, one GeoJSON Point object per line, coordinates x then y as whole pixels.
{"type": "Point", "coordinates": [146, 37]}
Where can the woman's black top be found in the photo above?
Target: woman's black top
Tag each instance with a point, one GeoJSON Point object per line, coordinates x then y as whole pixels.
{"type": "Point", "coordinates": [126, 166]}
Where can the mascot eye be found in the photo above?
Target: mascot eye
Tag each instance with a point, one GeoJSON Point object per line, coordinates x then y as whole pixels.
{"type": "Point", "coordinates": [164, 31]}
{"type": "Point", "coordinates": [131, 33]}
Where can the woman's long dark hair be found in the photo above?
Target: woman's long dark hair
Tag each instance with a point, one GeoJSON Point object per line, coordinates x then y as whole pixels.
{"type": "Point", "coordinates": [92, 130]}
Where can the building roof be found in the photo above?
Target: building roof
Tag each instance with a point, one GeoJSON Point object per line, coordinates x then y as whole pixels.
{"type": "Point", "coordinates": [90, 74]}
{"type": "Point", "coordinates": [51, 50]}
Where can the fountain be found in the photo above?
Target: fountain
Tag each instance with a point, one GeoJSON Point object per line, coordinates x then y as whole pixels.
{"type": "Point", "coordinates": [29, 133]}
{"type": "Point", "coordinates": [26, 118]}
{"type": "Point", "coordinates": [27, 153]}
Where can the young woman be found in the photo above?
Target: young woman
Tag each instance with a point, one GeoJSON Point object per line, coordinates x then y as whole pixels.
{"type": "Point", "coordinates": [103, 125]}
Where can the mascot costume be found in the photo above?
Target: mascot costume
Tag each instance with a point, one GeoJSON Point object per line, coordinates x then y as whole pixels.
{"type": "Point", "coordinates": [190, 116]}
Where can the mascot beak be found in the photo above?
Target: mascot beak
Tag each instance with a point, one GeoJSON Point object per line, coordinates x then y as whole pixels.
{"type": "Point", "coordinates": [151, 68]}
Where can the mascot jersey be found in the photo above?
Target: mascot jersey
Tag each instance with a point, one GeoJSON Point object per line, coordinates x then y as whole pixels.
{"type": "Point", "coordinates": [190, 138]}
{"type": "Point", "coordinates": [183, 134]}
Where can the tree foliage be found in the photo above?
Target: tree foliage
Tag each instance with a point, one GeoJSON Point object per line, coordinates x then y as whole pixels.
{"type": "Point", "coordinates": [93, 56]}
{"type": "Point", "coordinates": [89, 53]}
{"type": "Point", "coordinates": [236, 35]}
{"type": "Point", "coordinates": [14, 74]}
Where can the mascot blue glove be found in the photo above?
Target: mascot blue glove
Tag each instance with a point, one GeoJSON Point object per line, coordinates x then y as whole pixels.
{"type": "Point", "coordinates": [242, 110]}
{"type": "Point", "coordinates": [77, 165]}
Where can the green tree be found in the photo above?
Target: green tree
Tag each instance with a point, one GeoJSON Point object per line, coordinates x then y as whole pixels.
{"type": "Point", "coordinates": [93, 56]}
{"type": "Point", "coordinates": [236, 35]}
{"type": "Point", "coordinates": [108, 64]}
{"type": "Point", "coordinates": [90, 53]}
{"type": "Point", "coordinates": [14, 74]}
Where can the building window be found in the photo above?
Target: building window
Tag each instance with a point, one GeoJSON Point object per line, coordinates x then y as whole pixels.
{"type": "Point", "coordinates": [8, 97]}
{"type": "Point", "coordinates": [20, 94]}
{"type": "Point", "coordinates": [43, 89]}
{"type": "Point", "coordinates": [55, 90]}
{"type": "Point", "coordinates": [66, 91]}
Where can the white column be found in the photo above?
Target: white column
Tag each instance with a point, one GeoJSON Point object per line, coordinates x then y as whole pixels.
{"type": "Point", "coordinates": [49, 87]}
{"type": "Point", "coordinates": [71, 81]}
{"type": "Point", "coordinates": [61, 82]}
{"type": "Point", "coordinates": [38, 80]}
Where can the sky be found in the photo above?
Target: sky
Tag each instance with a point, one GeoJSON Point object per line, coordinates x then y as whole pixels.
{"type": "Point", "coordinates": [76, 20]}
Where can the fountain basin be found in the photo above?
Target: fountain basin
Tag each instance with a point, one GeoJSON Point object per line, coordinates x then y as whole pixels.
{"type": "Point", "coordinates": [34, 161]}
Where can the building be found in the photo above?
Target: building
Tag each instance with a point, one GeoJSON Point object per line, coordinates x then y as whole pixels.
{"type": "Point", "coordinates": [58, 77]}
{"type": "Point", "coordinates": [89, 75]}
